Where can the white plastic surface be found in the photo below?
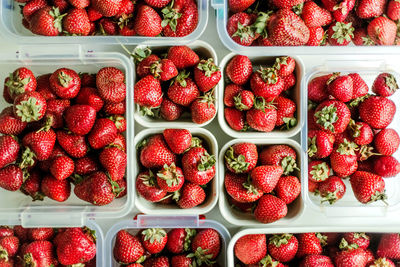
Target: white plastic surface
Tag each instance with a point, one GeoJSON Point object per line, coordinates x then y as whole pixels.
{"type": "Point", "coordinates": [238, 218]}
{"type": "Point", "coordinates": [11, 27]}
{"type": "Point", "coordinates": [168, 223]}
{"type": "Point", "coordinates": [148, 207]}
{"type": "Point", "coordinates": [204, 50]}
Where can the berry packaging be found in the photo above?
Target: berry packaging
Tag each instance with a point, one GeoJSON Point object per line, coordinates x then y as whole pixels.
{"type": "Point", "coordinates": [167, 223]}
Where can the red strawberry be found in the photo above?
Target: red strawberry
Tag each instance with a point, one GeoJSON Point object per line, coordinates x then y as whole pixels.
{"type": "Point", "coordinates": [108, 26]}
{"type": "Point", "coordinates": [62, 167]}
{"type": "Point", "coordinates": [74, 145]}
{"type": "Point", "coordinates": [181, 261]}
{"type": "Point", "coordinates": [393, 9]}
{"type": "Point", "coordinates": [80, 119]}
{"type": "Point", "coordinates": [368, 9]}
{"type": "Point", "coordinates": [318, 171]}
{"type": "Point", "coordinates": [114, 108]}
{"type": "Point", "coordinates": [8, 247]}
{"type": "Point", "coordinates": [231, 91]}
{"type": "Point", "coordinates": [332, 115]}
{"type": "Point", "coordinates": [239, 28]}
{"type": "Point", "coordinates": [86, 165]}
{"type": "Point", "coordinates": [11, 177]}
{"type": "Point", "coordinates": [186, 22]}
{"type": "Point", "coordinates": [47, 21]}
{"type": "Point", "coordinates": [107, 8]}
{"type": "Point", "coordinates": [206, 75]}
{"type": "Point", "coordinates": [310, 244]}
{"type": "Point", "coordinates": [360, 239]}
{"type": "Point", "coordinates": [344, 159]}
{"type": "Point", "coordinates": [206, 246]}
{"type": "Point", "coordinates": [351, 257]}
{"type": "Point", "coordinates": [89, 96]}
{"type": "Point", "coordinates": [262, 117]}
{"type": "Point", "coordinates": [387, 141]}
{"type": "Point", "coordinates": [332, 189]}
{"type": "Point", "coordinates": [77, 22]}
{"type": "Point", "coordinates": [361, 37]}
{"type": "Point", "coordinates": [288, 188]}
{"type": "Point", "coordinates": [240, 189]}
{"type": "Point", "coordinates": [163, 69]}
{"type": "Point", "coordinates": [382, 31]}
{"type": "Point", "coordinates": [270, 209]}
{"type": "Point", "coordinates": [65, 83]}
{"type": "Point", "coordinates": [340, 87]}
{"type": "Point", "coordinates": [239, 5]}
{"type": "Point", "coordinates": [244, 100]}
{"type": "Point", "coordinates": [160, 261]}
{"type": "Point", "coordinates": [235, 119]}
{"type": "Point", "coordinates": [377, 111]}
{"type": "Point", "coordinates": [250, 249]}
{"type": "Point", "coordinates": [320, 143]}
{"type": "Point", "coordinates": [289, 81]}
{"type": "Point", "coordinates": [385, 85]}
{"type": "Point", "coordinates": [127, 248]}
{"type": "Point", "coordinates": [340, 33]}
{"type": "Point", "coordinates": [203, 108]}
{"type": "Point", "coordinates": [157, 3]}
{"type": "Point", "coordinates": [40, 234]}
{"type": "Point", "coordinates": [360, 88]}
{"type": "Point", "coordinates": [288, 4]}
{"type": "Point", "coordinates": [285, 112]}
{"type": "Point", "coordinates": [198, 166]}
{"type": "Point", "coordinates": [184, 90]}
{"type": "Point", "coordinates": [103, 133]}
{"type": "Point", "coordinates": [241, 157]}
{"type": "Point", "coordinates": [41, 143]}
{"type": "Point", "coordinates": [180, 239]}
{"type": "Point", "coordinates": [191, 196]}
{"type": "Point", "coordinates": [39, 253]}
{"type": "Point", "coordinates": [79, 3]}
{"type": "Point", "coordinates": [266, 83]}
{"type": "Point", "coordinates": [183, 57]}
{"type": "Point", "coordinates": [148, 94]}
{"type": "Point", "coordinates": [238, 70]}
{"type": "Point", "coordinates": [120, 123]}
{"type": "Point", "coordinates": [58, 190]}
{"type": "Point", "coordinates": [31, 186]}
{"type": "Point", "coordinates": [178, 140]}
{"type": "Point", "coordinates": [144, 61]}
{"type": "Point", "coordinates": [155, 153]}
{"type": "Point", "coordinates": [266, 177]}
{"type": "Point", "coordinates": [361, 132]}
{"type": "Point", "coordinates": [316, 261]}
{"type": "Point", "coordinates": [6, 231]}
{"type": "Point", "coordinates": [110, 83]}
{"type": "Point", "coordinates": [147, 187]}
{"type": "Point", "coordinates": [9, 123]}
{"type": "Point", "coordinates": [317, 37]}
{"type": "Point", "coordinates": [315, 16]}
{"type": "Point", "coordinates": [9, 149]}
{"type": "Point", "coordinates": [367, 187]}
{"type": "Point", "coordinates": [154, 240]}
{"type": "Point", "coordinates": [31, 7]}
{"type": "Point", "coordinates": [389, 246]}
{"type": "Point", "coordinates": [55, 111]}
{"type": "Point", "coordinates": [114, 161]}
{"type": "Point", "coordinates": [22, 80]}
{"type": "Point", "coordinates": [312, 186]}
{"type": "Point", "coordinates": [30, 106]}
{"type": "Point", "coordinates": [283, 247]}
{"type": "Point", "coordinates": [285, 66]}
{"type": "Point", "coordinates": [317, 88]}
{"type": "Point", "coordinates": [169, 110]}
{"type": "Point", "coordinates": [386, 166]}
{"type": "Point", "coordinates": [342, 10]}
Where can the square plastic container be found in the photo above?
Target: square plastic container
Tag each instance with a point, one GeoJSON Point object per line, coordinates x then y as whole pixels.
{"type": "Point", "coordinates": [73, 212]}
{"type": "Point", "coordinates": [148, 207]}
{"type": "Point", "coordinates": [204, 50]}
{"type": "Point", "coordinates": [348, 206]}
{"type": "Point", "coordinates": [296, 93]}
{"type": "Point", "coordinates": [295, 209]}
{"type": "Point", "coordinates": [166, 222]}
{"type": "Point", "coordinates": [11, 27]}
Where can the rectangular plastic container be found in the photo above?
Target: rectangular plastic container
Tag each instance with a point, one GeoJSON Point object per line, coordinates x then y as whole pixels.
{"type": "Point", "coordinates": [348, 206]}
{"type": "Point", "coordinates": [166, 222]}
{"type": "Point", "coordinates": [238, 218]}
{"type": "Point", "coordinates": [73, 212]}
{"type": "Point", "coordinates": [148, 207]}
{"type": "Point", "coordinates": [298, 98]}
{"type": "Point", "coordinates": [11, 27]}
{"type": "Point", "coordinates": [203, 49]}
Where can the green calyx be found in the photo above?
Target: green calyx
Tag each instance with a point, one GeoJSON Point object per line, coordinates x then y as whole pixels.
{"type": "Point", "coordinates": [29, 110]}
{"type": "Point", "coordinates": [28, 260]}
{"type": "Point", "coordinates": [360, 235]}
{"type": "Point", "coordinates": [323, 239]}
{"type": "Point", "coordinates": [366, 152]}
{"type": "Point", "coordinates": [268, 75]}
{"type": "Point", "coordinates": [55, 13]}
{"type": "Point", "coordinates": [289, 165]}
{"type": "Point", "coordinates": [320, 172]}
{"type": "Point", "coordinates": [149, 180]}
{"type": "Point", "coordinates": [170, 16]}
{"type": "Point", "coordinates": [208, 67]}
{"type": "Point", "coordinates": [196, 142]}
{"type": "Point", "coordinates": [154, 234]}
{"type": "Point", "coordinates": [237, 163]}
{"type": "Point", "coordinates": [155, 69]}
{"type": "Point", "coordinates": [331, 197]}
{"type": "Point", "coordinates": [149, 111]}
{"type": "Point", "coordinates": [244, 32]}
{"type": "Point", "coordinates": [298, 9]}
{"type": "Point", "coordinates": [138, 53]}
{"type": "Point", "coordinates": [344, 245]}
{"type": "Point", "coordinates": [16, 85]}
{"type": "Point", "coordinates": [115, 188]}
{"type": "Point", "coordinates": [170, 175]}
{"type": "Point", "coordinates": [279, 240]}
{"type": "Point", "coordinates": [333, 77]}
{"type": "Point", "coordinates": [355, 128]}
{"type": "Point", "coordinates": [279, 61]}
{"type": "Point", "coordinates": [390, 81]}
{"type": "Point", "coordinates": [3, 254]}
{"type": "Point", "coordinates": [90, 233]}
{"type": "Point", "coordinates": [238, 103]}
{"type": "Point", "coordinates": [181, 78]}
{"type": "Point", "coordinates": [379, 196]}
{"type": "Point", "coordinates": [367, 41]}
{"type": "Point", "coordinates": [356, 102]}
{"type": "Point", "coordinates": [326, 117]}
{"type": "Point", "coordinates": [261, 104]}
{"type": "Point", "coordinates": [261, 23]}
{"type": "Point", "coordinates": [190, 233]}
{"type": "Point", "coordinates": [347, 148]}
{"type": "Point", "coordinates": [343, 32]}
{"type": "Point", "coordinates": [28, 158]}
{"type": "Point", "coordinates": [290, 122]}
{"type": "Point", "coordinates": [64, 79]}
{"type": "Point", "coordinates": [207, 162]}
{"type": "Point", "coordinates": [208, 98]}
{"type": "Point", "coordinates": [251, 189]}
{"type": "Point", "coordinates": [267, 261]}
{"type": "Point", "coordinates": [201, 257]}
{"type": "Point", "coordinates": [312, 147]}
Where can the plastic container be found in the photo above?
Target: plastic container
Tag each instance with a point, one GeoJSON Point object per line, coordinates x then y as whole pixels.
{"type": "Point", "coordinates": [12, 28]}
{"type": "Point", "coordinates": [295, 209]}
{"type": "Point", "coordinates": [296, 93]}
{"type": "Point", "coordinates": [204, 50]}
{"type": "Point", "coordinates": [73, 212]}
{"type": "Point", "coordinates": [166, 222]}
{"type": "Point", "coordinates": [212, 195]}
{"type": "Point", "coordinates": [348, 206]}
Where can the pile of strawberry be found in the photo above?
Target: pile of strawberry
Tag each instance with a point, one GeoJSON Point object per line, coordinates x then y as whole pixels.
{"type": "Point", "coordinates": [169, 85]}
{"type": "Point", "coordinates": [110, 17]}
{"type": "Point", "coordinates": [319, 250]}
{"type": "Point", "coordinates": [348, 136]}
{"type": "Point", "coordinates": [64, 127]}
{"type": "Point", "coordinates": [47, 246]}
{"type": "Point", "coordinates": [314, 23]}
{"type": "Point", "coordinates": [261, 183]}
{"type": "Point", "coordinates": [260, 99]}
{"type": "Point", "coordinates": [157, 247]}
{"type": "Point", "coordinates": [176, 167]}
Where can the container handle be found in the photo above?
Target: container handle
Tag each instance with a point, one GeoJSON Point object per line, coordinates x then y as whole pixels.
{"type": "Point", "coordinates": [26, 52]}
{"type": "Point", "coordinates": [42, 219]}
{"type": "Point", "coordinates": [165, 221]}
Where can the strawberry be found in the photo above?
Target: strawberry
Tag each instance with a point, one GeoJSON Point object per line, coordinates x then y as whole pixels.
{"type": "Point", "coordinates": [370, 8]}
{"type": "Point", "coordinates": [40, 234]}
{"type": "Point", "coordinates": [110, 83]}
{"type": "Point", "coordinates": [244, 100]}
{"type": "Point", "coordinates": [279, 155]}
{"type": "Point", "coordinates": [47, 21]}
{"type": "Point", "coordinates": [30, 106]}
{"type": "Point", "coordinates": [242, 207]}
{"type": "Point", "coordinates": [361, 239]}
{"type": "Point", "coordinates": [147, 22]}
{"type": "Point", "coordinates": [147, 187]}
{"type": "Point", "coordinates": [266, 177]}
{"type": "Point", "coordinates": [9, 123]}
{"type": "Point", "coordinates": [332, 115]}
{"type": "Point", "coordinates": [382, 262]}
{"type": "Point", "coordinates": [39, 253]}
{"type": "Point", "coordinates": [387, 141]}
{"type": "Point", "coordinates": [310, 244]}
{"type": "Point", "coordinates": [77, 22]}
{"type": "Point", "coordinates": [238, 70]}
{"type": "Point", "coordinates": [58, 190]}
{"type": "Point", "coordinates": [270, 209]}
{"type": "Point", "coordinates": [9, 149]}
{"type": "Point", "coordinates": [6, 231]}
{"type": "Point", "coordinates": [183, 90]}
{"type": "Point", "coordinates": [316, 261]}
{"type": "Point", "coordinates": [170, 178]}
{"type": "Point", "coordinates": [43, 87]}
{"type": "Point", "coordinates": [127, 248]}
{"type": "Point", "coordinates": [240, 188]}
{"type": "Point", "coordinates": [108, 26]}
{"type": "Point", "coordinates": [11, 177]}
{"type": "Point", "coordinates": [86, 165]}
{"type": "Point", "coordinates": [144, 61]}
{"type": "Point", "coordinates": [160, 261]}
{"type": "Point", "coordinates": [169, 110]}
{"type": "Point", "coordinates": [181, 261]}
{"type": "Point", "coordinates": [180, 239]}
{"type": "Point", "coordinates": [386, 166]}
{"type": "Point", "coordinates": [198, 166]}
{"type": "Point", "coordinates": [203, 108]}
{"type": "Point", "coordinates": [127, 8]}
{"type": "Point", "coordinates": [392, 11]}
{"type": "Point", "coordinates": [315, 16]}
{"type": "Point", "coordinates": [55, 111]}
{"type": "Point", "coordinates": [114, 108]}
{"type": "Point", "coordinates": [154, 239]}
{"type": "Point", "coordinates": [103, 133]}
{"type": "Point", "coordinates": [206, 75]}
{"type": "Point", "coordinates": [206, 246]}
{"type": "Point", "coordinates": [389, 246]}
{"type": "Point", "coordinates": [180, 22]}
{"type": "Point", "coordinates": [65, 83]}
{"type": "Point", "coordinates": [120, 123]}
{"type": "Point", "coordinates": [317, 88]}
{"type": "Point", "coordinates": [231, 90]}
{"type": "Point", "coordinates": [283, 247]}
{"type": "Point", "coordinates": [266, 83]}
{"type": "Point", "coordinates": [79, 3]}
{"type": "Point", "coordinates": [107, 8]}
{"type": "Point", "coordinates": [148, 94]}
{"type": "Point", "coordinates": [385, 85]}
{"type": "Point", "coordinates": [8, 247]}
{"type": "Point", "coordinates": [74, 145]}
{"type": "Point", "coordinates": [288, 4]}
{"type": "Point", "coordinates": [250, 249]}
{"type": "Point", "coordinates": [239, 5]}
{"type": "Point", "coordinates": [40, 142]}
{"type": "Point", "coordinates": [288, 189]}
{"type": "Point", "coordinates": [178, 140]}
{"type": "Point", "coordinates": [239, 28]}
{"type": "Point", "coordinates": [377, 111]}
{"type": "Point", "coordinates": [340, 33]}
{"type": "Point", "coordinates": [382, 31]}
{"type": "Point", "coordinates": [183, 57]}
{"type": "Point", "coordinates": [157, 3]}
{"type": "Point", "coordinates": [155, 153]}
{"type": "Point", "coordinates": [262, 117]}
{"type": "Point", "coordinates": [344, 159]}
{"type": "Point", "coordinates": [340, 87]}
{"type": "Point", "coordinates": [351, 257]}
{"type": "Point", "coordinates": [317, 37]}
{"type": "Point", "coordinates": [114, 161]}
{"type": "Point", "coordinates": [367, 187]}
{"type": "Point", "coordinates": [80, 119]}
{"type": "Point", "coordinates": [191, 196]}
{"type": "Point", "coordinates": [332, 189]}
{"type": "Point", "coordinates": [89, 96]}
{"type": "Point", "coordinates": [31, 7]}
{"type": "Point", "coordinates": [241, 157]}
{"type": "Point", "coordinates": [31, 186]}
{"type": "Point", "coordinates": [361, 37]}
{"type": "Point", "coordinates": [62, 167]}
{"type": "Point", "coordinates": [285, 66]}
{"type": "Point", "coordinates": [361, 132]}
{"type": "Point", "coordinates": [235, 119]}
{"type": "Point", "coordinates": [318, 171]}
{"type": "Point", "coordinates": [22, 80]}
{"type": "Point", "coordinates": [312, 186]}
{"type": "Point", "coordinates": [320, 144]}
{"type": "Point", "coordinates": [289, 81]}
{"type": "Point", "coordinates": [163, 69]}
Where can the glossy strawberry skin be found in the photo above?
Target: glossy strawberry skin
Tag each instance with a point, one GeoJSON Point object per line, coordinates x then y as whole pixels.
{"type": "Point", "coordinates": [270, 209]}
{"type": "Point", "coordinates": [250, 249]}
{"type": "Point", "coordinates": [366, 185]}
{"type": "Point", "coordinates": [239, 70]}
{"type": "Point", "coordinates": [58, 190]}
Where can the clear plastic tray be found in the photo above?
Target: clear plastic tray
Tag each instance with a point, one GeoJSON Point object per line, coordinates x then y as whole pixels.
{"type": "Point", "coordinates": [204, 50]}
{"type": "Point", "coordinates": [348, 206]}
{"type": "Point", "coordinates": [166, 222]}
{"type": "Point", "coordinates": [73, 212]}
{"type": "Point", "coordinates": [212, 197]}
{"type": "Point", "coordinates": [297, 97]}
{"type": "Point", "coordinates": [235, 217]}
{"type": "Point", "coordinates": [11, 27]}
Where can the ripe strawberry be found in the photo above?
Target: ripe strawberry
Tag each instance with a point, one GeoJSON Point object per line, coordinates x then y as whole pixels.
{"type": "Point", "coordinates": [317, 88]}
{"type": "Point", "coordinates": [332, 115]}
{"type": "Point", "coordinates": [368, 9]}
{"type": "Point", "coordinates": [387, 141]}
{"type": "Point", "coordinates": [169, 110]}
{"type": "Point", "coordinates": [239, 28]}
{"type": "Point", "coordinates": [74, 145]}
{"type": "Point", "coordinates": [351, 257]}
{"type": "Point", "coordinates": [361, 132]}
{"type": "Point", "coordinates": [154, 239]}
{"type": "Point", "coordinates": [180, 261]}
{"type": "Point", "coordinates": [289, 81]}
{"type": "Point", "coordinates": [361, 37]}
{"type": "Point", "coordinates": [198, 166]}
{"type": "Point", "coordinates": [186, 22]}
{"type": "Point", "coordinates": [47, 21]}
{"type": "Point", "coordinates": [80, 119]}
{"type": "Point", "coordinates": [332, 189]}
{"type": "Point", "coordinates": [315, 16]}
{"type": "Point", "coordinates": [147, 22]}
{"type": "Point", "coordinates": [266, 83]}
{"type": "Point", "coordinates": [103, 133]}
{"type": "Point", "coordinates": [241, 157]}
{"type": "Point", "coordinates": [382, 262]}
{"type": "Point", "coordinates": [31, 186]}
{"type": "Point", "coordinates": [382, 31]}
{"type": "Point", "coordinates": [235, 119]}
{"type": "Point", "coordinates": [340, 87]}
{"type": "Point", "coordinates": [30, 106]}
{"type": "Point", "coordinates": [389, 246]}
{"type": "Point", "coordinates": [22, 80]}
{"type": "Point", "coordinates": [270, 209]}
{"type": "Point", "coordinates": [203, 108]}
{"type": "Point", "coordinates": [148, 94]}
{"type": "Point", "coordinates": [239, 5]}
{"type": "Point", "coordinates": [163, 69]}
{"type": "Point", "coordinates": [155, 153]}
{"type": "Point", "coordinates": [77, 22]}
{"type": "Point", "coordinates": [31, 7]}
{"type": "Point", "coordinates": [11, 177]}
{"type": "Point", "coordinates": [238, 70]}
{"type": "Point", "coordinates": [86, 165]}
{"type": "Point", "coordinates": [206, 75]}
{"type": "Point", "coordinates": [320, 144]}
{"type": "Point", "coordinates": [183, 57]}
{"type": "Point", "coordinates": [114, 108]}
{"type": "Point", "coordinates": [39, 253]}
{"type": "Point", "coordinates": [157, 3]}
{"type": "Point", "coordinates": [360, 88]}
{"type": "Point", "coordinates": [340, 33]}
{"type": "Point", "coordinates": [62, 167]}
{"type": "Point", "coordinates": [108, 26]}
{"type": "Point", "coordinates": [367, 187]}
{"type": "Point", "coordinates": [110, 84]}
{"type": "Point", "coordinates": [285, 112]}
{"type": "Point", "coordinates": [55, 111]}
{"type": "Point", "coordinates": [114, 161]}
{"type": "Point", "coordinates": [240, 188]}
{"type": "Point", "coordinates": [6, 231]}
{"type": "Point", "coordinates": [250, 249]}
{"type": "Point", "coordinates": [107, 8]}
{"type": "Point", "coordinates": [231, 91]}
{"type": "Point", "coordinates": [180, 239]}
{"type": "Point", "coordinates": [178, 140]}
{"type": "Point", "coordinates": [191, 196]}
{"type": "Point", "coordinates": [393, 9]}
{"type": "Point", "coordinates": [318, 171]}
{"type": "Point", "coordinates": [386, 166]}
{"type": "Point", "coordinates": [89, 96]}
{"type": "Point", "coordinates": [183, 90]}
{"type": "Point", "coordinates": [144, 61]}
{"type": "Point", "coordinates": [310, 244]}
{"type": "Point", "coordinates": [316, 261]}
{"type": "Point", "coordinates": [283, 247]}
{"type": "Point", "coordinates": [65, 83]}
{"type": "Point", "coordinates": [360, 239]}
{"type": "Point", "coordinates": [312, 186]}
{"type": "Point", "coordinates": [160, 261]}
{"type": "Point", "coordinates": [147, 187]}
{"type": "Point", "coordinates": [206, 246]}
{"type": "Point", "coordinates": [385, 85]}
{"type": "Point", "coordinates": [282, 4]}
{"type": "Point", "coordinates": [127, 8]}
{"type": "Point", "coordinates": [8, 247]}
{"type": "Point", "coordinates": [43, 87]}
{"type": "Point", "coordinates": [266, 177]}
{"type": "Point", "coordinates": [244, 100]}
{"type": "Point", "coordinates": [317, 37]}
{"type": "Point", "coordinates": [344, 159]}
{"type": "Point", "coordinates": [377, 111]}
{"type": "Point", "coordinates": [262, 117]}
{"type": "Point", "coordinates": [9, 123]}
{"type": "Point", "coordinates": [288, 188]}
{"type": "Point", "coordinates": [79, 3]}
{"type": "Point", "coordinates": [40, 234]}
{"type": "Point", "coordinates": [41, 143]}
{"type": "Point", "coordinates": [58, 190]}
{"type": "Point", "coordinates": [120, 123]}
{"type": "Point", "coordinates": [127, 248]}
